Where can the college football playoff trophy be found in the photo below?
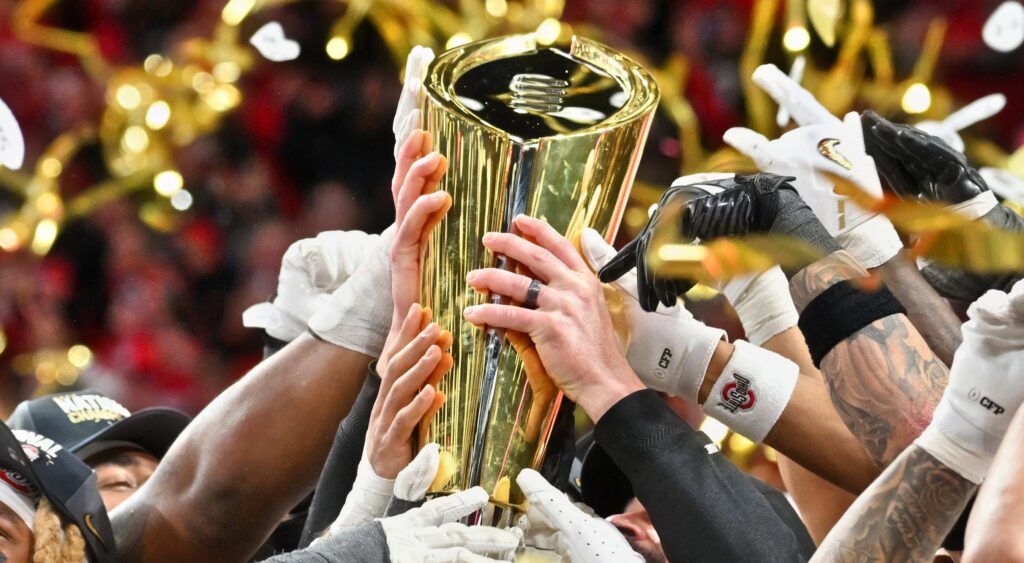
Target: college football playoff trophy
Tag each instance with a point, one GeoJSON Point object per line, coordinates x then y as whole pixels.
{"type": "Point", "coordinates": [555, 133]}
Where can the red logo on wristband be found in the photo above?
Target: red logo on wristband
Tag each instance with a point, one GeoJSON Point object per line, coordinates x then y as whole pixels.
{"type": "Point", "coordinates": [737, 395]}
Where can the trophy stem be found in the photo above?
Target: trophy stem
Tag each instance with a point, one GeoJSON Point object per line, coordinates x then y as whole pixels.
{"type": "Point", "coordinates": [523, 157]}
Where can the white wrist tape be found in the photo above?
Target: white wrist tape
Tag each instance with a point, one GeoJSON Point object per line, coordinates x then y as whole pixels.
{"type": "Point", "coordinates": [970, 460]}
{"type": "Point", "coordinates": [367, 500]}
{"type": "Point", "coordinates": [873, 242]}
{"type": "Point", "coordinates": [753, 390]}
{"type": "Point", "coordinates": [977, 206]}
{"type": "Point", "coordinates": [763, 304]}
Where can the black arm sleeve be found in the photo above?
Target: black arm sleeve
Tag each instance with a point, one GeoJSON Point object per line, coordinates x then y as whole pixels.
{"type": "Point", "coordinates": [704, 508]}
{"type": "Point", "coordinates": [340, 469]}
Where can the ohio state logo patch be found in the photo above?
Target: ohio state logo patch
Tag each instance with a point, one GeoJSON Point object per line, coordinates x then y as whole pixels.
{"type": "Point", "coordinates": [16, 481]}
{"type": "Point", "coordinates": [737, 395]}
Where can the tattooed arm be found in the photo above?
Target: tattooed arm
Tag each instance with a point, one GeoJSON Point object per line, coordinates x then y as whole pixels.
{"type": "Point", "coordinates": [884, 379]}
{"type": "Point", "coordinates": [927, 310]}
{"type": "Point", "coordinates": [903, 516]}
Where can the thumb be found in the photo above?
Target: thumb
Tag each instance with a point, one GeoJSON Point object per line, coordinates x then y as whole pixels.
{"type": "Point", "coordinates": [414, 480]}
{"type": "Point", "coordinates": [534, 485]}
{"type": "Point", "coordinates": [750, 143]}
{"type": "Point", "coordinates": [1017, 300]}
{"type": "Point", "coordinates": [596, 251]}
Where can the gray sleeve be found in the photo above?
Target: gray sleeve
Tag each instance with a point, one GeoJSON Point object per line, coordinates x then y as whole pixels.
{"type": "Point", "coordinates": [362, 544]}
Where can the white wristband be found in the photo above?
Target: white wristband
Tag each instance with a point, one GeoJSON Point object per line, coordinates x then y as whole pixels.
{"type": "Point", "coordinates": [763, 303]}
{"type": "Point", "coordinates": [873, 242]}
{"type": "Point", "coordinates": [977, 206]}
{"type": "Point", "coordinates": [753, 390]}
{"type": "Point", "coordinates": [367, 500]}
{"type": "Point", "coordinates": [970, 460]}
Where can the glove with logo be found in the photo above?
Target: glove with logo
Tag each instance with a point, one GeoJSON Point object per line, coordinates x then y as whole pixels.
{"type": "Point", "coordinates": [985, 386]}
{"type": "Point", "coordinates": [554, 523]}
{"type": "Point", "coordinates": [823, 145]}
{"type": "Point", "coordinates": [668, 349]}
{"type": "Point", "coordinates": [310, 270]}
{"type": "Point", "coordinates": [358, 314]}
{"type": "Point", "coordinates": [408, 115]}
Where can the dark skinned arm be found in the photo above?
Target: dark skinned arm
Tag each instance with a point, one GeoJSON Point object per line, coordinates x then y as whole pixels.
{"type": "Point", "coordinates": [884, 380]}
{"type": "Point", "coordinates": [927, 310]}
{"type": "Point", "coordinates": [248, 457]}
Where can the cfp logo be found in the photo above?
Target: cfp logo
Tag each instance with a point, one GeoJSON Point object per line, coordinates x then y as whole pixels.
{"type": "Point", "coordinates": [537, 92]}
{"type": "Point", "coordinates": [663, 363]}
{"type": "Point", "coordinates": [989, 404]}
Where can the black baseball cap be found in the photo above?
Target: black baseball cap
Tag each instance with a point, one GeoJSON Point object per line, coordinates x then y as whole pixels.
{"type": "Point", "coordinates": [33, 464]}
{"type": "Point", "coordinates": [88, 422]}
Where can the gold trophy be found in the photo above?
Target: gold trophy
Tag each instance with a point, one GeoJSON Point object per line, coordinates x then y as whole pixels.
{"type": "Point", "coordinates": [555, 133]}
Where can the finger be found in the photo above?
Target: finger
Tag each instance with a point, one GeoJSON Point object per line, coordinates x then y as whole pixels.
{"type": "Point", "coordinates": [421, 171]}
{"type": "Point", "coordinates": [978, 110]}
{"type": "Point", "coordinates": [457, 555]}
{"type": "Point", "coordinates": [533, 484]}
{"type": "Point", "coordinates": [414, 480]}
{"type": "Point", "coordinates": [413, 121]}
{"type": "Point", "coordinates": [406, 332]}
{"type": "Point", "coordinates": [408, 417]}
{"type": "Point", "coordinates": [537, 259]}
{"type": "Point", "coordinates": [435, 219]}
{"type": "Point", "coordinates": [801, 104]}
{"type": "Point", "coordinates": [439, 399]}
{"type": "Point", "coordinates": [407, 357]}
{"type": "Point", "coordinates": [452, 507]}
{"type": "Point", "coordinates": [446, 363]}
{"type": "Point", "coordinates": [510, 284]}
{"type": "Point", "coordinates": [504, 316]}
{"type": "Point", "coordinates": [478, 539]}
{"type": "Point", "coordinates": [622, 263]}
{"type": "Point", "coordinates": [406, 388]}
{"type": "Point", "coordinates": [411, 149]}
{"type": "Point", "coordinates": [596, 251]}
{"type": "Point", "coordinates": [445, 340]}
{"type": "Point", "coordinates": [547, 237]}
{"type": "Point", "coordinates": [411, 234]}
{"type": "Point", "coordinates": [750, 143]}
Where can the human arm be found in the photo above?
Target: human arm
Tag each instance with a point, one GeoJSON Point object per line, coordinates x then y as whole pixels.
{"type": "Point", "coordinates": [907, 512]}
{"type": "Point", "coordinates": [993, 530]}
{"type": "Point", "coordinates": [883, 378]}
{"type": "Point", "coordinates": [572, 332]}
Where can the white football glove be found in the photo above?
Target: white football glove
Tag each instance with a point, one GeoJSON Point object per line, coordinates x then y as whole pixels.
{"type": "Point", "coordinates": [431, 532]}
{"type": "Point", "coordinates": [668, 349]}
{"type": "Point", "coordinates": [554, 523]}
{"type": "Point", "coordinates": [986, 386]}
{"type": "Point", "coordinates": [822, 144]}
{"type": "Point", "coordinates": [409, 115]}
{"type": "Point", "coordinates": [949, 129]}
{"type": "Point", "coordinates": [357, 316]}
{"type": "Point", "coordinates": [310, 270]}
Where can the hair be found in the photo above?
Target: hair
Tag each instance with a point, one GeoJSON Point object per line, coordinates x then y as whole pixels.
{"type": "Point", "coordinates": [56, 543]}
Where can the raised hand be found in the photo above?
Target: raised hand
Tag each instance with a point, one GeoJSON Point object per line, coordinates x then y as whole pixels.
{"type": "Point", "coordinates": [917, 165]}
{"type": "Point", "coordinates": [408, 115]}
{"type": "Point", "coordinates": [554, 523]}
{"type": "Point", "coordinates": [570, 327]}
{"type": "Point", "coordinates": [310, 270]}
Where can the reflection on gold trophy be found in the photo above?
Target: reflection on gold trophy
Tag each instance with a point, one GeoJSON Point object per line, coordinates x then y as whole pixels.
{"type": "Point", "coordinates": [552, 132]}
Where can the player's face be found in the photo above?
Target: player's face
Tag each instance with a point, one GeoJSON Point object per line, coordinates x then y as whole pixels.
{"type": "Point", "coordinates": [16, 538]}
{"type": "Point", "coordinates": [636, 526]}
{"type": "Point", "coordinates": [121, 472]}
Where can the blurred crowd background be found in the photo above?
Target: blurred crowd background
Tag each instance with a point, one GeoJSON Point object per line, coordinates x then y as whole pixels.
{"type": "Point", "coordinates": [154, 317]}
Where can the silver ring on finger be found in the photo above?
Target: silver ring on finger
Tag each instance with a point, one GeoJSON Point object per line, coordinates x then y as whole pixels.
{"type": "Point", "coordinates": [532, 294]}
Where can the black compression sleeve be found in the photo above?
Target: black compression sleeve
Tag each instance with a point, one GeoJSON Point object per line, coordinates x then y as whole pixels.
{"type": "Point", "coordinates": [702, 506]}
{"type": "Point", "coordinates": [339, 471]}
{"type": "Point", "coordinates": [839, 312]}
